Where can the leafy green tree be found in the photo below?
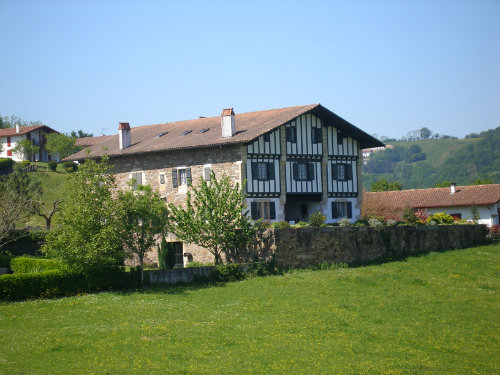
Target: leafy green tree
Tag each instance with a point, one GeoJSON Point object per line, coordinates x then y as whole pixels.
{"type": "Point", "coordinates": [88, 234]}
{"type": "Point", "coordinates": [443, 184]}
{"type": "Point", "coordinates": [215, 218]}
{"type": "Point", "coordinates": [166, 254]}
{"type": "Point", "coordinates": [484, 181]}
{"type": "Point", "coordinates": [61, 144]}
{"type": "Point", "coordinates": [425, 133]}
{"type": "Point", "coordinates": [25, 148]}
{"type": "Point", "coordinates": [80, 134]}
{"type": "Point", "coordinates": [384, 185]}
{"type": "Point", "coordinates": [143, 217]}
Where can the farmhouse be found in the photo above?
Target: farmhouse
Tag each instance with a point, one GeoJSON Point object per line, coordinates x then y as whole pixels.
{"type": "Point", "coordinates": [457, 201]}
{"type": "Point", "coordinates": [9, 137]}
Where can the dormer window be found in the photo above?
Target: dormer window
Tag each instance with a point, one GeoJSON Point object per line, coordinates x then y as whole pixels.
{"type": "Point", "coordinates": [186, 132]}
{"type": "Point", "coordinates": [160, 135]}
{"type": "Point", "coordinates": [203, 130]}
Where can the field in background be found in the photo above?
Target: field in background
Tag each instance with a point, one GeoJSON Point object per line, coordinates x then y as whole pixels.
{"type": "Point", "coordinates": [435, 314]}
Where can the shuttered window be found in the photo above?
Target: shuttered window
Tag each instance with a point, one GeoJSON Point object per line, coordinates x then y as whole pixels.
{"type": "Point", "coordinates": [317, 135]}
{"type": "Point", "coordinates": [263, 210]}
{"type": "Point", "coordinates": [303, 171]}
{"type": "Point", "coordinates": [262, 171]}
{"type": "Point", "coordinates": [342, 172]}
{"type": "Point", "coordinates": [181, 176]}
{"type": "Point", "coordinates": [341, 210]}
{"type": "Point", "coordinates": [291, 134]}
{"type": "Point", "coordinates": [137, 179]}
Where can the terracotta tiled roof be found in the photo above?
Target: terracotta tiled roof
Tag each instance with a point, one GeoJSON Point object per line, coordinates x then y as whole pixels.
{"type": "Point", "coordinates": [23, 130]}
{"type": "Point", "coordinates": [248, 127]}
{"type": "Point", "coordinates": [90, 141]}
{"type": "Point", "coordinates": [478, 195]}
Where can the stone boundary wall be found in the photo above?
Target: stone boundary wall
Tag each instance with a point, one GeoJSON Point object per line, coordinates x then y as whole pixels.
{"type": "Point", "coordinates": [176, 275]}
{"type": "Point", "coordinates": [303, 247]}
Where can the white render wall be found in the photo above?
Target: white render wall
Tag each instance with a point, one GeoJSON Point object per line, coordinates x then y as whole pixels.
{"type": "Point", "coordinates": [487, 214]}
{"type": "Point", "coordinates": [13, 140]}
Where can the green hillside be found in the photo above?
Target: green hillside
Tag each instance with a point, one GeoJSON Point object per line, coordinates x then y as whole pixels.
{"type": "Point", "coordinates": [459, 160]}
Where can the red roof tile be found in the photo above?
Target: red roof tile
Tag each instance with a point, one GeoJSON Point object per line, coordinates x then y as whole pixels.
{"type": "Point", "coordinates": [23, 130]}
{"type": "Point", "coordinates": [478, 195]}
{"type": "Point", "coordinates": [248, 127]}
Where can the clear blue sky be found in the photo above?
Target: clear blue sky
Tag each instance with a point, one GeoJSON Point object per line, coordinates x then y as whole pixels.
{"type": "Point", "coordinates": [386, 66]}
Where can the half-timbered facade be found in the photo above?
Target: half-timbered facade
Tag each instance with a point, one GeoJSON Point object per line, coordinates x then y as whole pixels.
{"type": "Point", "coordinates": [295, 160]}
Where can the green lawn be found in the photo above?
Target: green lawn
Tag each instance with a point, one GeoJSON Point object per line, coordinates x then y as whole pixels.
{"type": "Point", "coordinates": [435, 314]}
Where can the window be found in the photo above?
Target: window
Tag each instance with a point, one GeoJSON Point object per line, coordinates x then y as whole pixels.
{"type": "Point", "coordinates": [341, 209]}
{"type": "Point", "coordinates": [267, 137]}
{"type": "Point", "coordinates": [8, 141]}
{"type": "Point", "coordinates": [162, 178]}
{"type": "Point", "coordinates": [203, 130]}
{"type": "Point", "coordinates": [342, 172]}
{"type": "Point", "coordinates": [136, 177]}
{"type": "Point", "coordinates": [262, 171]}
{"type": "Point", "coordinates": [303, 171]}
{"type": "Point", "coordinates": [291, 134]}
{"type": "Point", "coordinates": [207, 170]}
{"type": "Point", "coordinates": [181, 176]}
{"type": "Point", "coordinates": [263, 210]}
{"type": "Point", "coordinates": [186, 132]}
{"type": "Point", "coordinates": [340, 139]}
{"type": "Point", "coordinates": [317, 135]}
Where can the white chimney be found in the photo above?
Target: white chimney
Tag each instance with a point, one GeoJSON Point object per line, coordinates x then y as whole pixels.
{"type": "Point", "coordinates": [124, 135]}
{"type": "Point", "coordinates": [18, 128]}
{"type": "Point", "coordinates": [227, 123]}
{"type": "Point", "coordinates": [453, 188]}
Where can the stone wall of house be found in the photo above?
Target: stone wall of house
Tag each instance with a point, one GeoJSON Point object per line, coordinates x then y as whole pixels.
{"type": "Point", "coordinates": [303, 247]}
{"type": "Point", "coordinates": [227, 160]}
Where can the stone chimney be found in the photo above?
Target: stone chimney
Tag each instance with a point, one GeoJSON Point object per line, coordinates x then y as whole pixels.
{"type": "Point", "coordinates": [124, 135]}
{"type": "Point", "coordinates": [18, 128]}
{"type": "Point", "coordinates": [227, 123]}
{"type": "Point", "coordinates": [453, 188]}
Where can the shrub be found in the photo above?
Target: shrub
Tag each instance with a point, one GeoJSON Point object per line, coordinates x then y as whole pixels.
{"type": "Point", "coordinates": [23, 164]}
{"type": "Point", "coordinates": [26, 264]}
{"type": "Point", "coordinates": [440, 218]}
{"type": "Point", "coordinates": [345, 222]}
{"type": "Point", "coordinates": [316, 219]}
{"type": "Point", "coordinates": [52, 165]}
{"type": "Point", "coordinates": [329, 266]}
{"type": "Point", "coordinates": [391, 222]}
{"type": "Point", "coordinates": [5, 260]}
{"type": "Point", "coordinates": [377, 224]}
{"type": "Point", "coordinates": [55, 283]}
{"type": "Point", "coordinates": [301, 224]}
{"type": "Point", "coordinates": [281, 225]}
{"type": "Point", "coordinates": [166, 255]}
{"type": "Point", "coordinates": [6, 163]}
{"type": "Point", "coordinates": [228, 272]}
{"type": "Point", "coordinates": [70, 166]}
{"type": "Point", "coordinates": [198, 264]}
{"type": "Point", "coordinates": [409, 215]}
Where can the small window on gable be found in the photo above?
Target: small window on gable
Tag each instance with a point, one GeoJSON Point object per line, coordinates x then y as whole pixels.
{"type": "Point", "coordinates": [317, 135]}
{"type": "Point", "coordinates": [267, 137]}
{"type": "Point", "coordinates": [136, 177]}
{"type": "Point", "coordinates": [291, 134]}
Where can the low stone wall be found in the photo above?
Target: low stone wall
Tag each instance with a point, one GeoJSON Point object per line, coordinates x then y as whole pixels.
{"type": "Point", "coordinates": [302, 247]}
{"type": "Point", "coordinates": [176, 275]}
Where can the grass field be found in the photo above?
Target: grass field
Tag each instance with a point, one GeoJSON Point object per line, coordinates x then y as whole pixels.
{"type": "Point", "coordinates": [435, 314]}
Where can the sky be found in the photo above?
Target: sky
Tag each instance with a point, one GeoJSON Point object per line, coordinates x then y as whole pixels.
{"type": "Point", "coordinates": [387, 67]}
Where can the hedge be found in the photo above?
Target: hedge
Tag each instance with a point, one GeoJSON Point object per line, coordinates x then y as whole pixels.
{"type": "Point", "coordinates": [54, 283]}
{"type": "Point", "coordinates": [6, 163]}
{"type": "Point", "coordinates": [30, 265]}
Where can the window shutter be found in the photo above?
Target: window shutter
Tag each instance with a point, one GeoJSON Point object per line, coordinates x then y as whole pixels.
{"type": "Point", "coordinates": [334, 171]}
{"type": "Point", "coordinates": [188, 175]}
{"type": "Point", "coordinates": [288, 134]}
{"type": "Point", "coordinates": [206, 173]}
{"type": "Point", "coordinates": [270, 171]}
{"type": "Point", "coordinates": [272, 211]}
{"type": "Point", "coordinates": [349, 210]}
{"type": "Point", "coordinates": [310, 171]}
{"type": "Point", "coordinates": [138, 177]}
{"type": "Point", "coordinates": [174, 178]}
{"type": "Point", "coordinates": [295, 171]}
{"type": "Point", "coordinates": [267, 137]}
{"type": "Point", "coordinates": [253, 208]}
{"type": "Point", "coordinates": [255, 170]}
{"type": "Point", "coordinates": [319, 135]}
{"type": "Point", "coordinates": [348, 171]}
{"type": "Point", "coordinates": [335, 214]}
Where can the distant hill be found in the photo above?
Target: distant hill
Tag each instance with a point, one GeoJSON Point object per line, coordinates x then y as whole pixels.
{"type": "Point", "coordinates": [425, 163]}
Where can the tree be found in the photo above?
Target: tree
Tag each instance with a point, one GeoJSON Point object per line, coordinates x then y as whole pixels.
{"type": "Point", "coordinates": [25, 148]}
{"type": "Point", "coordinates": [143, 216]}
{"type": "Point", "coordinates": [425, 133]}
{"type": "Point", "coordinates": [61, 144]}
{"type": "Point", "coordinates": [384, 185]}
{"type": "Point", "coordinates": [47, 213]}
{"type": "Point", "coordinates": [80, 134]}
{"type": "Point", "coordinates": [88, 234]}
{"type": "Point", "coordinates": [214, 218]}
{"type": "Point", "coordinates": [18, 195]}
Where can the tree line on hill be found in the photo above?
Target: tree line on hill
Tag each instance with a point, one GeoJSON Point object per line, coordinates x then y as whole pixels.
{"type": "Point", "coordinates": [425, 133]}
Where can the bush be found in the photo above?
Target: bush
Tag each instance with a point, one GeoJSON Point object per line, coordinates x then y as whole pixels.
{"type": "Point", "coordinates": [316, 219]}
{"type": "Point", "coordinates": [5, 260]}
{"type": "Point", "coordinates": [26, 264]}
{"type": "Point", "coordinates": [23, 164]}
{"type": "Point", "coordinates": [198, 264]}
{"type": "Point", "coordinates": [52, 165]}
{"type": "Point", "coordinates": [281, 225]}
{"type": "Point", "coordinates": [228, 272]}
{"type": "Point", "coordinates": [166, 255]}
{"type": "Point", "coordinates": [375, 223]}
{"type": "Point", "coordinates": [440, 218]}
{"type": "Point", "coordinates": [345, 222]}
{"type": "Point", "coordinates": [301, 224]}
{"type": "Point", "coordinates": [55, 283]}
{"type": "Point", "coordinates": [329, 266]}
{"type": "Point", "coordinates": [265, 268]}
{"type": "Point", "coordinates": [6, 163]}
{"type": "Point", "coordinates": [70, 166]}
